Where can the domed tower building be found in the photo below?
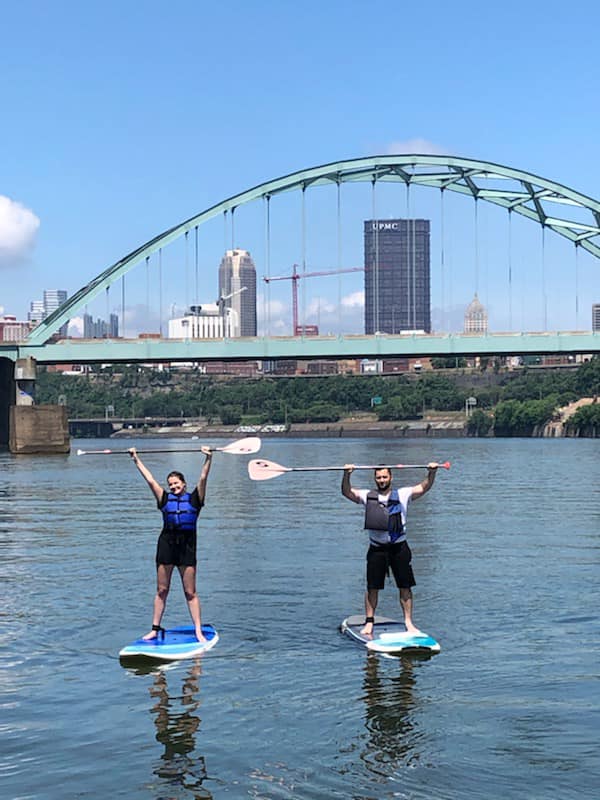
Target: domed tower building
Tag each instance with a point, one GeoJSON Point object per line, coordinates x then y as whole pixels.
{"type": "Point", "coordinates": [476, 318]}
{"type": "Point", "coordinates": [476, 321]}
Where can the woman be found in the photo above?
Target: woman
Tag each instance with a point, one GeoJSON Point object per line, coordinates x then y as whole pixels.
{"type": "Point", "coordinates": [177, 541]}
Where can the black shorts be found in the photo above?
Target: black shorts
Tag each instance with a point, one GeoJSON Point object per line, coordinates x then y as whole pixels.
{"type": "Point", "coordinates": [177, 548]}
{"type": "Point", "coordinates": [396, 557]}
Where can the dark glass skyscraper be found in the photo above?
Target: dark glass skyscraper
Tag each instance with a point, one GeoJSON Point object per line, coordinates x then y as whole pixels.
{"type": "Point", "coordinates": [397, 280]}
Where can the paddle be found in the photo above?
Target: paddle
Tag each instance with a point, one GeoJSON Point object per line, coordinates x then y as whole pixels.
{"type": "Point", "coordinates": [240, 447]}
{"type": "Point", "coordinates": [261, 470]}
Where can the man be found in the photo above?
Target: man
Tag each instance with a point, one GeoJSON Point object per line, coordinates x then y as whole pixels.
{"type": "Point", "coordinates": [176, 545]}
{"type": "Point", "coordinates": [385, 520]}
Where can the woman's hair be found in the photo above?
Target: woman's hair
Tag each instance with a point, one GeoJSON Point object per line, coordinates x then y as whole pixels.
{"type": "Point", "coordinates": [176, 474]}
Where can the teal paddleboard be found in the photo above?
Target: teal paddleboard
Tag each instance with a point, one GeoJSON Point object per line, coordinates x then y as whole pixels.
{"type": "Point", "coordinates": [389, 636]}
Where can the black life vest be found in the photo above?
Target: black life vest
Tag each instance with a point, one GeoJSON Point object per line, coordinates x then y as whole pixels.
{"type": "Point", "coordinates": [384, 516]}
{"type": "Point", "coordinates": [179, 513]}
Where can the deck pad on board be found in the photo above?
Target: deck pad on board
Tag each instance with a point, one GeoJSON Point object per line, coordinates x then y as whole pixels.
{"type": "Point", "coordinates": [389, 636]}
{"type": "Point", "coordinates": [177, 643]}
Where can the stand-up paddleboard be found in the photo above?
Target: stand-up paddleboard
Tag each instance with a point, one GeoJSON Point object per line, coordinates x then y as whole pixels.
{"type": "Point", "coordinates": [175, 645]}
{"type": "Point", "coordinates": [389, 636]}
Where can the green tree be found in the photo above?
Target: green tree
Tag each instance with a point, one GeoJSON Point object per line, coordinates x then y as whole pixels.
{"type": "Point", "coordinates": [521, 418]}
{"type": "Point", "coordinates": [479, 423]}
{"type": "Point", "coordinates": [585, 421]}
{"type": "Point", "coordinates": [407, 407]}
{"type": "Point", "coordinates": [231, 415]}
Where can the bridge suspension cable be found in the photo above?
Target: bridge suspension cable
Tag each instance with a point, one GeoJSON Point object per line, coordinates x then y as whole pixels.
{"type": "Point", "coordinates": [553, 206]}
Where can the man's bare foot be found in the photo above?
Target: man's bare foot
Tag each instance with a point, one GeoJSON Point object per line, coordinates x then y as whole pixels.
{"type": "Point", "coordinates": [411, 629]}
{"type": "Point", "coordinates": [367, 629]}
{"type": "Point", "coordinates": [149, 636]}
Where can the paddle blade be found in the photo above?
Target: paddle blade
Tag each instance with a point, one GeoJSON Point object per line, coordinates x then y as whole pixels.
{"type": "Point", "coordinates": [261, 470]}
{"type": "Point", "coordinates": [242, 446]}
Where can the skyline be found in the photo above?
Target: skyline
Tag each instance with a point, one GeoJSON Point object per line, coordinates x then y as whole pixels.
{"type": "Point", "coordinates": [120, 125]}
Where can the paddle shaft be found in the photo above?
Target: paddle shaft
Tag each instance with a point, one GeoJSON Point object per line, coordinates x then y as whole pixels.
{"type": "Point", "coordinates": [263, 470]}
{"type": "Point", "coordinates": [237, 447]}
{"type": "Point", "coordinates": [357, 466]}
{"type": "Point", "coordinates": [126, 452]}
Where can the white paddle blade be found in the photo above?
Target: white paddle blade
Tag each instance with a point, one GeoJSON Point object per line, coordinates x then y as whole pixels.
{"type": "Point", "coordinates": [261, 470]}
{"type": "Point", "coordinates": [242, 446]}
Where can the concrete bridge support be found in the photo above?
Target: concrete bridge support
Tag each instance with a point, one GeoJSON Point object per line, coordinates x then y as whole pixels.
{"type": "Point", "coordinates": [25, 427]}
{"type": "Point", "coordinates": [7, 398]}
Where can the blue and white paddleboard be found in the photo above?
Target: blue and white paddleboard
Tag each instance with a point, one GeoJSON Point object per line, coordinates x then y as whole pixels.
{"type": "Point", "coordinates": [389, 636]}
{"type": "Point", "coordinates": [177, 644]}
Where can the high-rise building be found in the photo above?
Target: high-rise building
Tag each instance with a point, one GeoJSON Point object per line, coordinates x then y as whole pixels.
{"type": "Point", "coordinates": [596, 317]}
{"type": "Point", "coordinates": [397, 280]}
{"type": "Point", "coordinates": [99, 328]}
{"type": "Point", "coordinates": [36, 312]}
{"type": "Point", "coordinates": [476, 318]}
{"type": "Point", "coordinates": [53, 298]}
{"type": "Point", "coordinates": [237, 289]}
{"type": "Point", "coordinates": [40, 309]}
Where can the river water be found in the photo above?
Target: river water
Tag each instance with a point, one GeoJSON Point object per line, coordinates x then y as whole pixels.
{"type": "Point", "coordinates": [506, 551]}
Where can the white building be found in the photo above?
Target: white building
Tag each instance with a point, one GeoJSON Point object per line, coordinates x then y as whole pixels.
{"type": "Point", "coordinates": [207, 321]}
{"type": "Point", "coordinates": [36, 312]}
{"type": "Point", "coordinates": [476, 318]}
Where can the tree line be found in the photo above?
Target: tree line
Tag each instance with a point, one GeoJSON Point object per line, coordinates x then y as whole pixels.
{"type": "Point", "coordinates": [516, 404]}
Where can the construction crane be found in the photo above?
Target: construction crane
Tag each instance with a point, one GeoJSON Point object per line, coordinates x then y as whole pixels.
{"type": "Point", "coordinates": [295, 277]}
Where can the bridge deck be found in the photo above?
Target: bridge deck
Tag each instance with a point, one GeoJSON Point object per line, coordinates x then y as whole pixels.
{"type": "Point", "coordinates": [311, 347]}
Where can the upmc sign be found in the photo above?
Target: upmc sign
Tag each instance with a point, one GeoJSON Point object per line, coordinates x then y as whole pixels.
{"type": "Point", "coordinates": [385, 226]}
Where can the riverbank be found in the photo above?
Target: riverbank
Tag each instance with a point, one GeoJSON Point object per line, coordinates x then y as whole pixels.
{"type": "Point", "coordinates": [447, 426]}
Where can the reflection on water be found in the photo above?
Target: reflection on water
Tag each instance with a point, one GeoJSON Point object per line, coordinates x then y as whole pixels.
{"type": "Point", "coordinates": [180, 769]}
{"type": "Point", "coordinates": [390, 701]}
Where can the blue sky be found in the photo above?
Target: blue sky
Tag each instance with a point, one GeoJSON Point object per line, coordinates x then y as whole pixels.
{"type": "Point", "coordinates": [120, 120]}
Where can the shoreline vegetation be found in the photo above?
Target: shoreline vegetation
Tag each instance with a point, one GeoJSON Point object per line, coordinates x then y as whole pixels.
{"type": "Point", "coordinates": [135, 400]}
{"type": "Point", "coordinates": [346, 428]}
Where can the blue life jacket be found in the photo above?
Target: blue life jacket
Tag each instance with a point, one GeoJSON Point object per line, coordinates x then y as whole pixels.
{"type": "Point", "coordinates": [178, 513]}
{"type": "Point", "coordinates": [384, 517]}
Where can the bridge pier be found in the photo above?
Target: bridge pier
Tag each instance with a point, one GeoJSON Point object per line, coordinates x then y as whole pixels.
{"type": "Point", "coordinates": [25, 427]}
{"type": "Point", "coordinates": [7, 398]}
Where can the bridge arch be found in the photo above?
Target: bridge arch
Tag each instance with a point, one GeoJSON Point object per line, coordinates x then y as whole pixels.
{"type": "Point", "coordinates": [524, 193]}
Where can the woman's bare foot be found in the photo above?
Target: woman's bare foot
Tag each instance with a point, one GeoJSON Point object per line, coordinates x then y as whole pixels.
{"type": "Point", "coordinates": [156, 631]}
{"type": "Point", "coordinates": [200, 636]}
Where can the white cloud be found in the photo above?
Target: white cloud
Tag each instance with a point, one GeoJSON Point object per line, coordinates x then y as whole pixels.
{"type": "Point", "coordinates": [276, 317]}
{"type": "Point", "coordinates": [18, 228]}
{"type": "Point", "coordinates": [318, 306]}
{"type": "Point", "coordinates": [354, 300]}
{"type": "Point", "coordinates": [348, 317]}
{"type": "Point", "coordinates": [76, 326]}
{"type": "Point", "coordinates": [418, 146]}
{"type": "Point", "coordinates": [138, 319]}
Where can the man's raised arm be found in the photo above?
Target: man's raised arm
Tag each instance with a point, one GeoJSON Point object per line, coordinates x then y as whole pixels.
{"type": "Point", "coordinates": [347, 489]}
